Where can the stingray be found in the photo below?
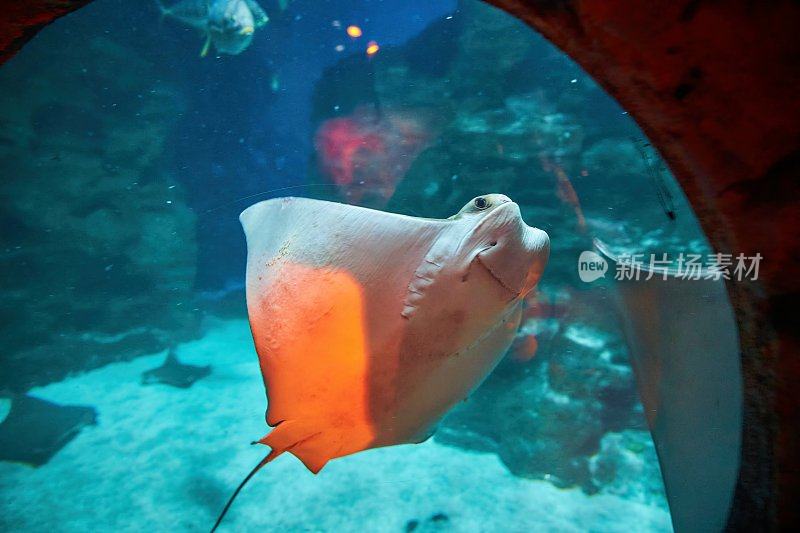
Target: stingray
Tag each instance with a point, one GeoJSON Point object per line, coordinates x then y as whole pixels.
{"type": "Point", "coordinates": [685, 353]}
{"type": "Point", "coordinates": [369, 326]}
{"type": "Point", "coordinates": [174, 373]}
{"type": "Point", "coordinates": [35, 430]}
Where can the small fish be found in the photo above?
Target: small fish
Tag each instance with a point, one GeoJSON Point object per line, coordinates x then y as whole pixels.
{"type": "Point", "coordinates": [227, 24]}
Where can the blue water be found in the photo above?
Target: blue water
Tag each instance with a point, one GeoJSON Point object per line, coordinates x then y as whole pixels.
{"type": "Point", "coordinates": [127, 159]}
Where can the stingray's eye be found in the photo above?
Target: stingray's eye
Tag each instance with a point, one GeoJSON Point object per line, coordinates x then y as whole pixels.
{"type": "Point", "coordinates": [481, 203]}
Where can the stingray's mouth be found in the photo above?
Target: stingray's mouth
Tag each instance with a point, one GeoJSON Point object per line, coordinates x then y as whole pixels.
{"type": "Point", "coordinates": [497, 278]}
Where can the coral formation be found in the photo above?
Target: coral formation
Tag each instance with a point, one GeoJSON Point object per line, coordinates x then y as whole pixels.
{"type": "Point", "coordinates": [366, 153]}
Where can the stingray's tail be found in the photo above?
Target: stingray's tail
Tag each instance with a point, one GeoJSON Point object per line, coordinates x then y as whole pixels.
{"type": "Point", "coordinates": [272, 455]}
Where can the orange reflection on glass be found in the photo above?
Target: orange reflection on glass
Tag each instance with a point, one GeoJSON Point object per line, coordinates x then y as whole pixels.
{"type": "Point", "coordinates": [372, 48]}
{"type": "Point", "coordinates": [354, 31]}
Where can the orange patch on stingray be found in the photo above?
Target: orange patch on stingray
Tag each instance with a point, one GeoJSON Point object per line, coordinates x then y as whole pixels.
{"type": "Point", "coordinates": [311, 342]}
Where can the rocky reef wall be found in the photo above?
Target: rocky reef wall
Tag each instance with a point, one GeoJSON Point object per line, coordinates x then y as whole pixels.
{"type": "Point", "coordinates": [98, 253]}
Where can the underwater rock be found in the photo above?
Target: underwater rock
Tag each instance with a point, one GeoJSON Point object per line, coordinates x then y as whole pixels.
{"type": "Point", "coordinates": [536, 431]}
{"type": "Point", "coordinates": [491, 46]}
{"type": "Point", "coordinates": [98, 254]}
{"type": "Point", "coordinates": [613, 157]}
{"type": "Point", "coordinates": [626, 465]}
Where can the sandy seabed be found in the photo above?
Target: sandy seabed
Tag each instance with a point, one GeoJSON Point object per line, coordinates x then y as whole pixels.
{"type": "Point", "coordinates": [166, 459]}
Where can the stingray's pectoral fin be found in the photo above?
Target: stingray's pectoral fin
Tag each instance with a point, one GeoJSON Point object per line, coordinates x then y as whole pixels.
{"type": "Point", "coordinates": [303, 440]}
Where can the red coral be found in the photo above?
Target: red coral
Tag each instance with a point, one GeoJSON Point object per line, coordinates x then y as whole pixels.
{"type": "Point", "coordinates": [366, 154]}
